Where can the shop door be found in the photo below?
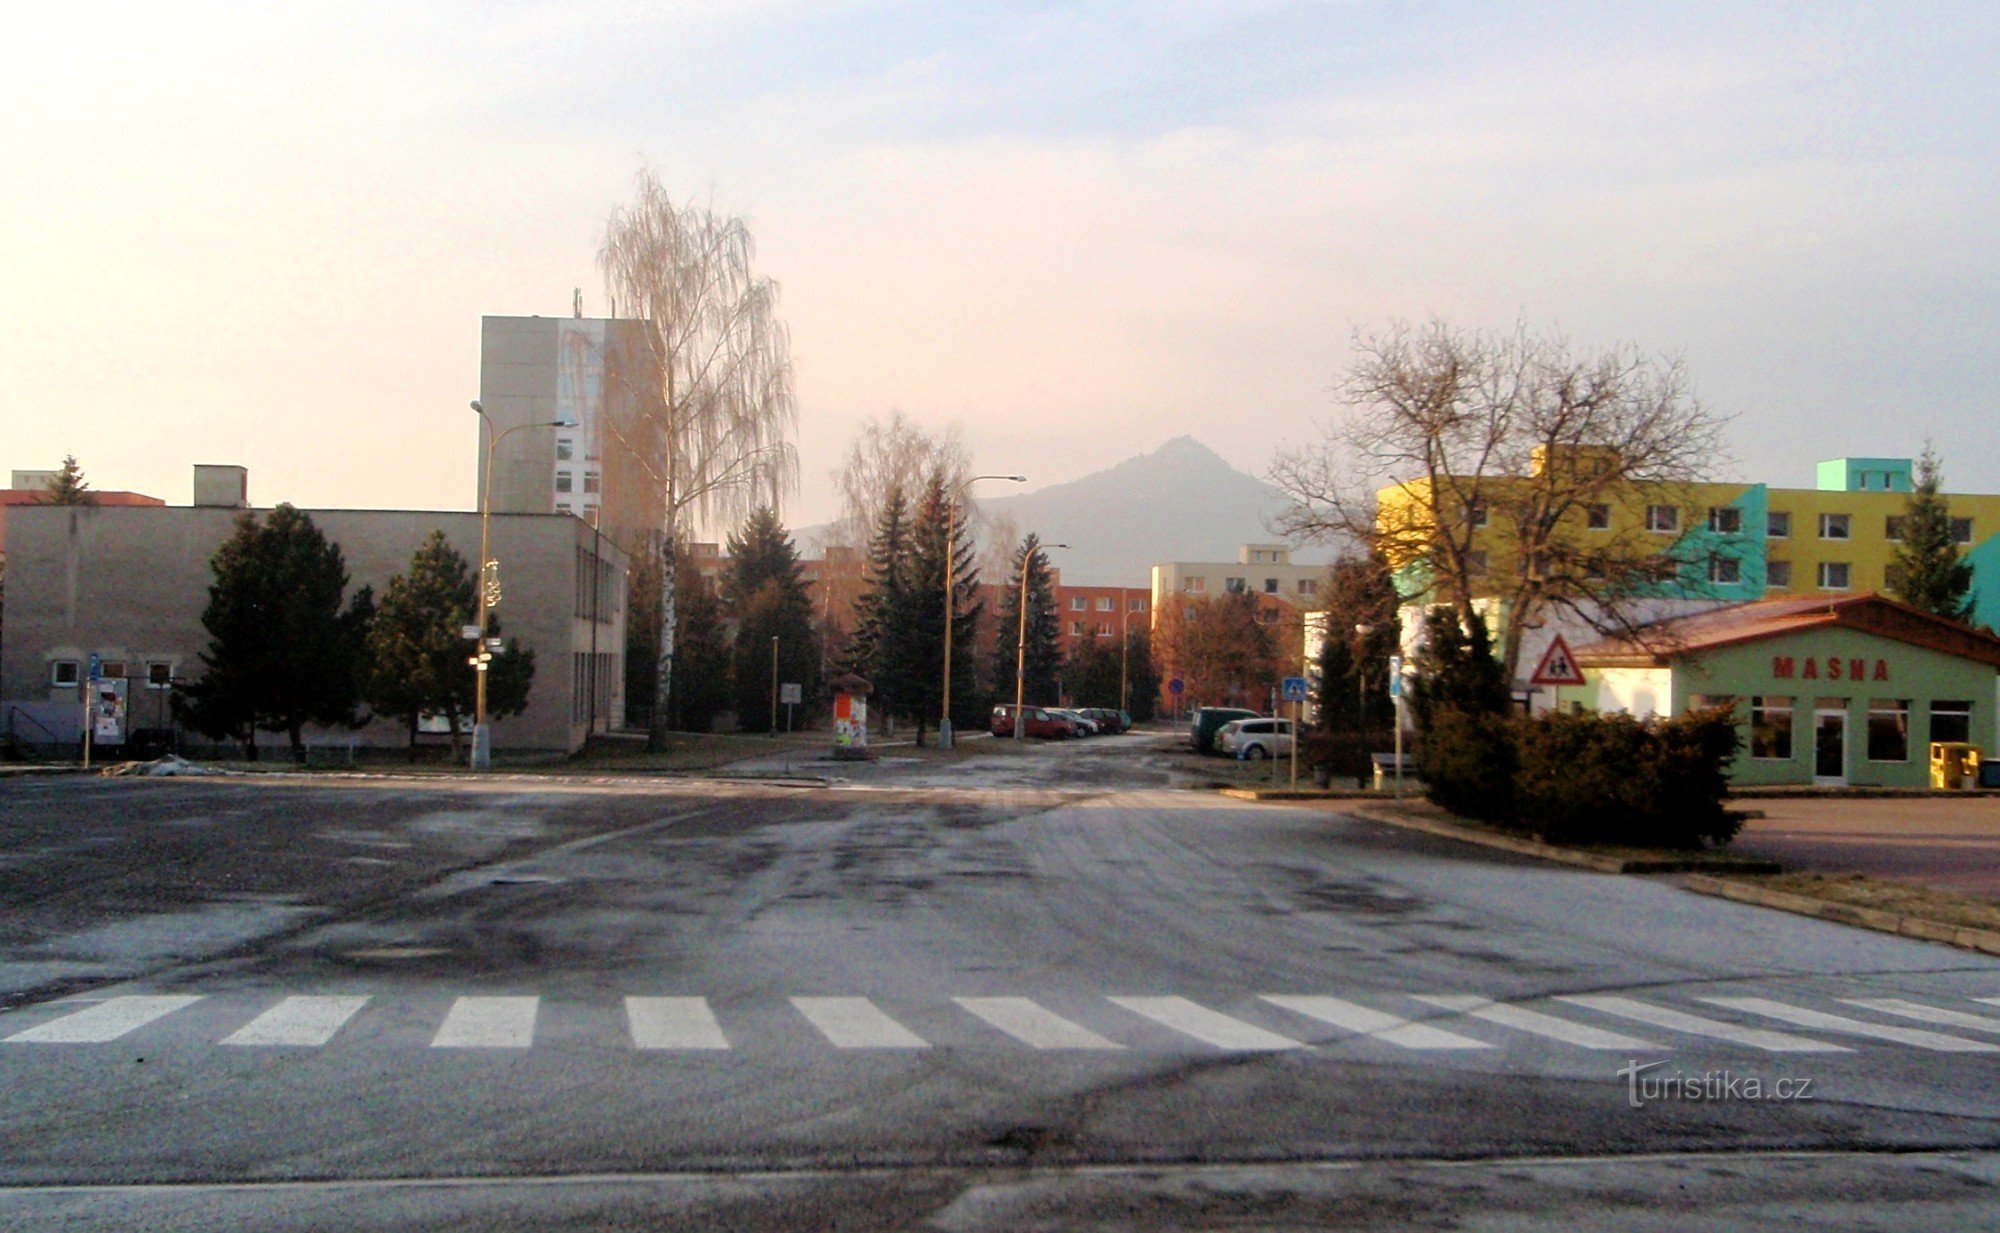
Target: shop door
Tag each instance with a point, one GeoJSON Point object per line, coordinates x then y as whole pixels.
{"type": "Point", "coordinates": [1829, 744]}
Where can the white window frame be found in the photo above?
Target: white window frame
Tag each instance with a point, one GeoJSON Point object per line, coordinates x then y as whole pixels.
{"type": "Point", "coordinates": [57, 673]}
{"type": "Point", "coordinates": [1778, 524]}
{"type": "Point", "coordinates": [1663, 519]}
{"type": "Point", "coordinates": [1847, 582]}
{"type": "Point", "coordinates": [1836, 527]}
{"type": "Point", "coordinates": [1719, 515]}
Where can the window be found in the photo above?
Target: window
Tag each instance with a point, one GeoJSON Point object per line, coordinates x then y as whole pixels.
{"type": "Point", "coordinates": [1778, 524]}
{"type": "Point", "coordinates": [1725, 520]}
{"type": "Point", "coordinates": [113, 669]}
{"type": "Point", "coordinates": [1597, 517]}
{"type": "Point", "coordinates": [63, 674]}
{"type": "Point", "coordinates": [565, 483]}
{"type": "Point", "coordinates": [1888, 729]}
{"type": "Point", "coordinates": [1833, 526]}
{"type": "Point", "coordinates": [1725, 569]}
{"type": "Point", "coordinates": [1194, 585]}
{"type": "Point", "coordinates": [1771, 727]}
{"type": "Point", "coordinates": [1077, 603]}
{"type": "Point", "coordinates": [593, 482]}
{"type": "Point", "coordinates": [1961, 530]}
{"type": "Point", "coordinates": [566, 450]}
{"type": "Point", "coordinates": [1075, 629]}
{"type": "Point", "coordinates": [1475, 561]}
{"type": "Point", "coordinates": [1951, 721]}
{"type": "Point", "coordinates": [1104, 629]}
{"type": "Point", "coordinates": [1833, 575]}
{"type": "Point", "coordinates": [1270, 586]}
{"type": "Point", "coordinates": [1892, 576]}
{"type": "Point", "coordinates": [1308, 586]}
{"type": "Point", "coordinates": [1103, 602]}
{"type": "Point", "coordinates": [1777, 574]}
{"type": "Point", "coordinates": [1711, 702]}
{"type": "Point", "coordinates": [1892, 528]}
{"type": "Point", "coordinates": [1663, 518]}
{"type": "Point", "coordinates": [1233, 585]}
{"type": "Point", "coordinates": [1475, 513]}
{"type": "Point", "coordinates": [1136, 605]}
{"type": "Point", "coordinates": [159, 674]}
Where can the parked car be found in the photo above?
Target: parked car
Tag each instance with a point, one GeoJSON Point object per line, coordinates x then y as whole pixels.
{"type": "Point", "coordinates": [1254, 740]}
{"type": "Point", "coordinates": [1107, 719]}
{"type": "Point", "coordinates": [1207, 720]}
{"type": "Point", "coordinates": [1036, 721]}
{"type": "Point", "coordinates": [1085, 725]}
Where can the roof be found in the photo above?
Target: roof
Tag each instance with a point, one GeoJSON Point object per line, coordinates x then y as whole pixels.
{"type": "Point", "coordinates": [1662, 642]}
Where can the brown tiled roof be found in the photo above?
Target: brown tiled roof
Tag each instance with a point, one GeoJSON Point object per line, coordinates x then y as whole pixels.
{"type": "Point", "coordinates": [1659, 643]}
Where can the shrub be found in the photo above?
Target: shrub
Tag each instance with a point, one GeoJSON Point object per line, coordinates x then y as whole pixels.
{"type": "Point", "coordinates": [1343, 754]}
{"type": "Point", "coordinates": [1469, 764]}
{"type": "Point", "coordinates": [1692, 754]}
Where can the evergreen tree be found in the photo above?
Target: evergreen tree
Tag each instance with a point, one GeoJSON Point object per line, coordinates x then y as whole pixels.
{"type": "Point", "coordinates": [766, 586]}
{"type": "Point", "coordinates": [1090, 674]}
{"type": "Point", "coordinates": [281, 653]}
{"type": "Point", "coordinates": [701, 650]}
{"type": "Point", "coordinates": [1354, 667]}
{"type": "Point", "coordinates": [1042, 658]}
{"type": "Point", "coordinates": [1457, 671]}
{"type": "Point", "coordinates": [642, 627]}
{"type": "Point", "coordinates": [917, 632]}
{"type": "Point", "coordinates": [1926, 571]}
{"type": "Point", "coordinates": [417, 653]}
{"type": "Point", "coordinates": [1142, 676]}
{"type": "Point", "coordinates": [874, 652]}
{"type": "Point", "coordinates": [67, 486]}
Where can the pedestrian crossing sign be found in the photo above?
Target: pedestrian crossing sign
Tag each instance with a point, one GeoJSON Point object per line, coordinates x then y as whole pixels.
{"type": "Point", "coordinates": [1558, 666]}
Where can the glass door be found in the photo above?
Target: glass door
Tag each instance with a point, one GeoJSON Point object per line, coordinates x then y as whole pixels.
{"type": "Point", "coordinates": [1830, 742]}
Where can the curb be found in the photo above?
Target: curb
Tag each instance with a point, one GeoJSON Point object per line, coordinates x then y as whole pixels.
{"type": "Point", "coordinates": [1965, 937]}
{"type": "Point", "coordinates": [1565, 856]}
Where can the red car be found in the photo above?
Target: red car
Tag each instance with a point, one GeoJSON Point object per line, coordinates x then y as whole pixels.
{"type": "Point", "coordinates": [1036, 722]}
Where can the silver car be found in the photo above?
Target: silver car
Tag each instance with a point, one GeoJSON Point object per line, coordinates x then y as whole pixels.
{"type": "Point", "coordinates": [1253, 740]}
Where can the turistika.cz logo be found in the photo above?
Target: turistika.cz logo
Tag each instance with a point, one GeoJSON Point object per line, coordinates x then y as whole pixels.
{"type": "Point", "coordinates": [1707, 1087]}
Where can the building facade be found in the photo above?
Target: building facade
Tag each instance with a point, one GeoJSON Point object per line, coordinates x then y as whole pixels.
{"type": "Point", "coordinates": [1259, 569]}
{"type": "Point", "coordinates": [128, 584]}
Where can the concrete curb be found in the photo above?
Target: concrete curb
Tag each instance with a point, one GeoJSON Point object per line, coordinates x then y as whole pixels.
{"type": "Point", "coordinates": [1561, 855]}
{"type": "Point", "coordinates": [1965, 937]}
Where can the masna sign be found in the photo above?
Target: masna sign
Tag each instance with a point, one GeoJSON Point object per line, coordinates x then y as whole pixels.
{"type": "Point", "coordinates": [1784, 668]}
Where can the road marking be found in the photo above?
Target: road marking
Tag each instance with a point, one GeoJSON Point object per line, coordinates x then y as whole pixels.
{"type": "Point", "coordinates": [103, 1022]}
{"type": "Point", "coordinates": [1537, 1023]}
{"type": "Point", "coordinates": [302, 1021]}
{"type": "Point", "coordinates": [1031, 1024]}
{"type": "Point", "coordinates": [857, 1023]}
{"type": "Point", "coordinates": [1373, 1023]}
{"type": "Point", "coordinates": [1926, 1014]}
{"type": "Point", "coordinates": [1937, 1041]}
{"type": "Point", "coordinates": [488, 1023]}
{"type": "Point", "coordinates": [1696, 1025]}
{"type": "Point", "coordinates": [1213, 1027]}
{"type": "Point", "coordinates": [673, 1023]}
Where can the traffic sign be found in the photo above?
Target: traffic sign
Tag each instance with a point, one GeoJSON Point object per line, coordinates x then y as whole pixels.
{"type": "Point", "coordinates": [96, 666]}
{"type": "Point", "coordinates": [1395, 676]}
{"type": "Point", "coordinates": [1175, 686]}
{"type": "Point", "coordinates": [1295, 689]}
{"type": "Point", "coordinates": [791, 693]}
{"type": "Point", "coordinates": [1558, 666]}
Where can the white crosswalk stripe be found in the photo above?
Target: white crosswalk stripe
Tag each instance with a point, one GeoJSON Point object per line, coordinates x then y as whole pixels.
{"type": "Point", "coordinates": [1537, 1024]}
{"type": "Point", "coordinates": [106, 1021]}
{"type": "Point", "coordinates": [857, 1023]}
{"type": "Point", "coordinates": [1926, 1014]}
{"type": "Point", "coordinates": [1028, 1022]}
{"type": "Point", "coordinates": [1916, 1037]}
{"type": "Point", "coordinates": [302, 1022]}
{"type": "Point", "coordinates": [488, 1023]}
{"type": "Point", "coordinates": [1373, 1023]}
{"type": "Point", "coordinates": [673, 1023]}
{"type": "Point", "coordinates": [1698, 1025]}
{"type": "Point", "coordinates": [1212, 1027]}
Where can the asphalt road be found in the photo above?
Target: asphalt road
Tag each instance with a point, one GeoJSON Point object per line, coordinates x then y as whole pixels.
{"type": "Point", "coordinates": [1040, 989]}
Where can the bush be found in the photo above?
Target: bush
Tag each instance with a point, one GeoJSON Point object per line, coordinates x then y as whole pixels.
{"type": "Point", "coordinates": [1343, 754]}
{"type": "Point", "coordinates": [1469, 765]}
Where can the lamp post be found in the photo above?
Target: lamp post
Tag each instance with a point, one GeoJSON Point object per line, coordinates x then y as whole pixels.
{"type": "Point", "coordinates": [488, 592]}
{"type": "Point", "coordinates": [951, 593]}
{"type": "Point", "coordinates": [1021, 644]}
{"type": "Point", "coordinates": [1361, 633]}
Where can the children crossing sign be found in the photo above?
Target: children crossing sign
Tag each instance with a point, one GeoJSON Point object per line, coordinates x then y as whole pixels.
{"type": "Point", "coordinates": [1558, 666]}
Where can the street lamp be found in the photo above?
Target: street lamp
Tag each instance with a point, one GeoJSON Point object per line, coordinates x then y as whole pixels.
{"type": "Point", "coordinates": [950, 592]}
{"type": "Point", "coordinates": [489, 590]}
{"type": "Point", "coordinates": [1361, 633]}
{"type": "Point", "coordinates": [1021, 646]}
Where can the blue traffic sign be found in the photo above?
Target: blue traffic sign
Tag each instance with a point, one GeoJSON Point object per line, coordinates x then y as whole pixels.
{"type": "Point", "coordinates": [96, 666]}
{"type": "Point", "coordinates": [1175, 686]}
{"type": "Point", "coordinates": [1295, 689]}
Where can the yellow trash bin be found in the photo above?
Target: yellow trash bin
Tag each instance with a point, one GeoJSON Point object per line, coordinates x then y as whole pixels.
{"type": "Point", "coordinates": [1954, 764]}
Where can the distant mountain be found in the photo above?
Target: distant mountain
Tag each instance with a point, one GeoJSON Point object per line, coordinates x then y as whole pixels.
{"type": "Point", "coordinates": [1181, 502]}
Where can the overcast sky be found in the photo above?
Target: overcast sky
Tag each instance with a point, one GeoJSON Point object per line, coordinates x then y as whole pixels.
{"type": "Point", "coordinates": [266, 234]}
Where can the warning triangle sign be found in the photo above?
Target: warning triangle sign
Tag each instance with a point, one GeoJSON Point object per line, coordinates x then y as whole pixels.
{"type": "Point", "coordinates": [1558, 666]}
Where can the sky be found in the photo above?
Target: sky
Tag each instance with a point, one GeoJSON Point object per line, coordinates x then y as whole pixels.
{"type": "Point", "coordinates": [266, 234]}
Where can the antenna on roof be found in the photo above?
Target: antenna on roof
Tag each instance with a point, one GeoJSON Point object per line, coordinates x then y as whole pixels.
{"type": "Point", "coordinates": [576, 301]}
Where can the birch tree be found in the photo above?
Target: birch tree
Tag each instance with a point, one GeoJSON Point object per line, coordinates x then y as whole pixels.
{"type": "Point", "coordinates": [711, 431]}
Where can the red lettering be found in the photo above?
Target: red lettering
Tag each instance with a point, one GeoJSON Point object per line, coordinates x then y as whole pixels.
{"type": "Point", "coordinates": [1812, 670]}
{"type": "Point", "coordinates": [1857, 669]}
{"type": "Point", "coordinates": [1881, 669]}
{"type": "Point", "coordinates": [1781, 667]}
{"type": "Point", "coordinates": [1833, 667]}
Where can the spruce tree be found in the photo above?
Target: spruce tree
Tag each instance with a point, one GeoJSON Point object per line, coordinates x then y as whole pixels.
{"type": "Point", "coordinates": [1042, 660]}
{"type": "Point", "coordinates": [1457, 671]}
{"type": "Point", "coordinates": [67, 486]}
{"type": "Point", "coordinates": [701, 650]}
{"type": "Point", "coordinates": [1926, 571]}
{"type": "Point", "coordinates": [1142, 676]}
{"type": "Point", "coordinates": [766, 587]}
{"type": "Point", "coordinates": [918, 627]}
{"type": "Point", "coordinates": [874, 651]}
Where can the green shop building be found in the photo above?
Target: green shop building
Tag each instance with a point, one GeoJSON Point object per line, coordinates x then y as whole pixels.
{"type": "Point", "coordinates": [1828, 691]}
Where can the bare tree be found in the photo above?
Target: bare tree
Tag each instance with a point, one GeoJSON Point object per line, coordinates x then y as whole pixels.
{"type": "Point", "coordinates": [890, 455]}
{"type": "Point", "coordinates": [712, 433]}
{"type": "Point", "coordinates": [1474, 463]}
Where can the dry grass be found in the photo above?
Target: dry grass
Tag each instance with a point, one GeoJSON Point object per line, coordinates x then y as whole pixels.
{"type": "Point", "coordinates": [1909, 899]}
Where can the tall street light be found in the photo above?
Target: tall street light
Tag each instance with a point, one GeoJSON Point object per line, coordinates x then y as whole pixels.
{"type": "Point", "coordinates": [1021, 645]}
{"type": "Point", "coordinates": [951, 593]}
{"type": "Point", "coordinates": [489, 587]}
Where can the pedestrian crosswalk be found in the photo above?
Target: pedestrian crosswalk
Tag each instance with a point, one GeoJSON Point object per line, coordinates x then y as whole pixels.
{"type": "Point", "coordinates": [1427, 1023]}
